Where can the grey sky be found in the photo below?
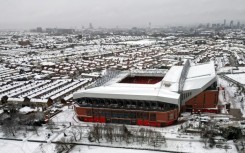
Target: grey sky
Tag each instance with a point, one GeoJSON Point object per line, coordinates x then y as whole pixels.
{"type": "Point", "coordinates": [112, 13]}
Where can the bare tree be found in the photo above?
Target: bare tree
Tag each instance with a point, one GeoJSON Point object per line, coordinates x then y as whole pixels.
{"type": "Point", "coordinates": [51, 126]}
{"type": "Point", "coordinates": [64, 145]}
{"type": "Point", "coordinates": [39, 116]}
{"type": "Point", "coordinates": [156, 139]}
{"type": "Point", "coordinates": [80, 131]}
{"type": "Point", "coordinates": [11, 125]}
{"type": "Point", "coordinates": [142, 135]}
{"type": "Point", "coordinates": [126, 134]}
{"type": "Point", "coordinates": [109, 133]}
{"type": "Point", "coordinates": [76, 133]}
{"type": "Point", "coordinates": [95, 133]}
{"type": "Point", "coordinates": [4, 99]}
{"type": "Point", "coordinates": [41, 148]}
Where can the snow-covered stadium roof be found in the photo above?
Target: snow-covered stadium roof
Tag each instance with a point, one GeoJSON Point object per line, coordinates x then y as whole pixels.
{"type": "Point", "coordinates": [141, 92]}
{"type": "Point", "coordinates": [197, 79]}
{"type": "Point", "coordinates": [200, 76]}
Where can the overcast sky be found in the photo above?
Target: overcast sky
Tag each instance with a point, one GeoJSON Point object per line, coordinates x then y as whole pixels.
{"type": "Point", "coordinates": [111, 13]}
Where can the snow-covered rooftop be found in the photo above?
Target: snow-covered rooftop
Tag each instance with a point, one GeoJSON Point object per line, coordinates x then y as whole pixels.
{"type": "Point", "coordinates": [135, 92]}
{"type": "Point", "coordinates": [197, 79]}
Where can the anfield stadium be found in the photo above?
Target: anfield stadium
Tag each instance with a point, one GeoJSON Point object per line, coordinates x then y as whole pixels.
{"type": "Point", "coordinates": [150, 97]}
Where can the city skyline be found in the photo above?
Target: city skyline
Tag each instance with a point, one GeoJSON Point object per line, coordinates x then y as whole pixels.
{"type": "Point", "coordinates": [123, 14]}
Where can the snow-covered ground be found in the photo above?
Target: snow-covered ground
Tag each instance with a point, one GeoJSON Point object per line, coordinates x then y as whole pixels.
{"type": "Point", "coordinates": [232, 95]}
{"type": "Point", "coordinates": [10, 146]}
{"type": "Point", "coordinates": [175, 141]}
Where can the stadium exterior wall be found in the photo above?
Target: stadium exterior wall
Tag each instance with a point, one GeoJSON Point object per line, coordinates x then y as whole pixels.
{"type": "Point", "coordinates": [140, 117]}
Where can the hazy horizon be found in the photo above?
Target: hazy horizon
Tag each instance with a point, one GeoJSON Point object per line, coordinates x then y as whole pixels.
{"type": "Point", "coordinates": [26, 14]}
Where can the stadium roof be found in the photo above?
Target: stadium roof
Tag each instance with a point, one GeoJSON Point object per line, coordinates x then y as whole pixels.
{"type": "Point", "coordinates": [138, 92]}
{"type": "Point", "coordinates": [197, 79]}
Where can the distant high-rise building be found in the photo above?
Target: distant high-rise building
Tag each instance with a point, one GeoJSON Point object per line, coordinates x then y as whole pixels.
{"type": "Point", "coordinates": [90, 26]}
{"type": "Point", "coordinates": [238, 24]}
{"type": "Point", "coordinates": [59, 31]}
{"type": "Point", "coordinates": [224, 22]}
{"type": "Point", "coordinates": [39, 29]}
{"type": "Point", "coordinates": [243, 25]}
{"type": "Point", "coordinates": [214, 25]}
{"type": "Point", "coordinates": [208, 25]}
{"type": "Point", "coordinates": [231, 24]}
{"type": "Point", "coordinates": [149, 25]}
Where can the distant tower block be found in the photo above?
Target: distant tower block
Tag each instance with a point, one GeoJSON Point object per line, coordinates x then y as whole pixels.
{"type": "Point", "coordinates": [149, 25]}
{"type": "Point", "coordinates": [90, 26]}
{"type": "Point", "coordinates": [231, 24]}
{"type": "Point", "coordinates": [238, 24]}
{"type": "Point", "coordinates": [208, 25]}
{"type": "Point", "coordinates": [39, 29]}
{"type": "Point", "coordinates": [224, 22]}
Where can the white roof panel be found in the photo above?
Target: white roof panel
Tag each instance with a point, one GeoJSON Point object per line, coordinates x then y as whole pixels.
{"type": "Point", "coordinates": [173, 75]}
{"type": "Point", "coordinates": [198, 83]}
{"type": "Point", "coordinates": [199, 76]}
{"type": "Point", "coordinates": [201, 70]}
{"type": "Point", "coordinates": [152, 94]}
